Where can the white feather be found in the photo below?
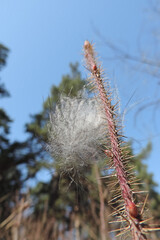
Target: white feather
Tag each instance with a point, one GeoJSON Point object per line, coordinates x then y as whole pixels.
{"type": "Point", "coordinates": [76, 132]}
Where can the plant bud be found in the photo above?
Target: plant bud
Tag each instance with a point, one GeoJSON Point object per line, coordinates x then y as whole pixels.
{"type": "Point", "coordinates": [133, 211]}
{"type": "Point", "coordinates": [86, 44]}
{"type": "Point", "coordinates": [94, 68]}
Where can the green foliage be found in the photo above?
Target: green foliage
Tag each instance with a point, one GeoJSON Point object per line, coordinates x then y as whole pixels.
{"type": "Point", "coordinates": [9, 174]}
{"type": "Point", "coordinates": [3, 58]}
{"type": "Point", "coordinates": [69, 86]}
{"type": "Point", "coordinates": [3, 55]}
{"type": "Point", "coordinates": [12, 155]}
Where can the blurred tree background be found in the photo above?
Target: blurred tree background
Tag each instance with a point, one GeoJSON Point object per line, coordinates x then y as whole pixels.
{"type": "Point", "coordinates": [59, 208]}
{"type": "Point", "coordinates": [62, 208]}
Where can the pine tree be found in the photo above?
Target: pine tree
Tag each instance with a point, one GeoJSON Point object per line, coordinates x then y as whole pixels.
{"type": "Point", "coordinates": [12, 156]}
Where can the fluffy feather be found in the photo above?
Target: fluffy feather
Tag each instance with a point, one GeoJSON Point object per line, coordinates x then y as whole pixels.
{"type": "Point", "coordinates": [75, 133]}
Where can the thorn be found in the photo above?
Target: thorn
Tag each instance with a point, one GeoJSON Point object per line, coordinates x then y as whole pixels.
{"type": "Point", "coordinates": [145, 201]}
{"type": "Point", "coordinates": [118, 221]}
{"type": "Point", "coordinates": [150, 229]}
{"type": "Point", "coordinates": [116, 230]}
{"type": "Point", "coordinates": [146, 220]}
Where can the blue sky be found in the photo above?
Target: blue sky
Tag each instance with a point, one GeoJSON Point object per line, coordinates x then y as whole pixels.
{"type": "Point", "coordinates": [45, 36]}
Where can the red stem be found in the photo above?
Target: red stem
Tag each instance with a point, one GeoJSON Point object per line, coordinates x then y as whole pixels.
{"type": "Point", "coordinates": [115, 142]}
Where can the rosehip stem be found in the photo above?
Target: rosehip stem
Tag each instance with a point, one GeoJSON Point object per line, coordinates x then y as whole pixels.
{"type": "Point", "coordinates": [115, 143]}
